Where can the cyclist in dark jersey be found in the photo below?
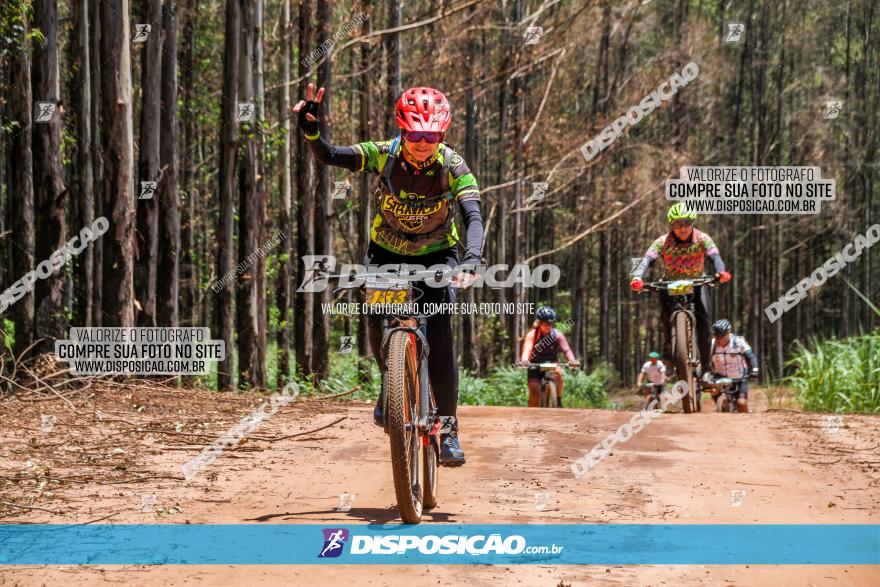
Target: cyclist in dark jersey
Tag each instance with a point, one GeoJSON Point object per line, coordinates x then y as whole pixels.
{"type": "Point", "coordinates": [542, 344]}
{"type": "Point", "coordinates": [421, 181]}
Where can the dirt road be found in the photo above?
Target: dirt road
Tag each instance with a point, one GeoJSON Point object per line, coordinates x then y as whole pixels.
{"type": "Point", "coordinates": [784, 467]}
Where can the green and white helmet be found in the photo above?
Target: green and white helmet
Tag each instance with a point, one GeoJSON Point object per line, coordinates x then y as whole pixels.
{"type": "Point", "coordinates": [680, 212]}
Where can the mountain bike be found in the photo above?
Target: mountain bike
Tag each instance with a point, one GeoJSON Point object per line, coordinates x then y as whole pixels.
{"type": "Point", "coordinates": [549, 393]}
{"type": "Point", "coordinates": [410, 411]}
{"type": "Point", "coordinates": [685, 353]}
{"type": "Point", "coordinates": [728, 391]}
{"type": "Point", "coordinates": [656, 390]}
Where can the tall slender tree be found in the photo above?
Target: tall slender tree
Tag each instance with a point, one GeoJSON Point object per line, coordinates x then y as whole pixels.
{"type": "Point", "coordinates": [251, 365]}
{"type": "Point", "coordinates": [21, 183]}
{"type": "Point", "coordinates": [394, 87]}
{"type": "Point", "coordinates": [303, 303]}
{"type": "Point", "coordinates": [285, 249]}
{"type": "Point", "coordinates": [323, 207]}
{"type": "Point", "coordinates": [118, 150]}
{"type": "Point", "coordinates": [49, 191]}
{"type": "Point", "coordinates": [85, 188]}
{"type": "Point", "coordinates": [148, 167]}
{"type": "Point", "coordinates": [97, 158]}
{"type": "Point", "coordinates": [365, 128]}
{"type": "Point", "coordinates": [223, 306]}
{"type": "Point", "coordinates": [168, 288]}
{"type": "Point", "coordinates": [188, 268]}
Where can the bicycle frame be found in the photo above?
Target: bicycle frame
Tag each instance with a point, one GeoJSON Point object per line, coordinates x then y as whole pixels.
{"type": "Point", "coordinates": [414, 430]}
{"type": "Point", "coordinates": [683, 294]}
{"type": "Point", "coordinates": [415, 325]}
{"type": "Point", "coordinates": [547, 371]}
{"type": "Point", "coordinates": [683, 302]}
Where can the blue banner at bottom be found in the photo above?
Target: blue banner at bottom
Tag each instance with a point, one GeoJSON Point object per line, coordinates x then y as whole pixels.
{"type": "Point", "coordinates": [568, 544]}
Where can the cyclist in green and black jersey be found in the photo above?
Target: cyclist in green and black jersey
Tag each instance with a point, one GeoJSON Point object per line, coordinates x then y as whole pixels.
{"type": "Point", "coordinates": [422, 183]}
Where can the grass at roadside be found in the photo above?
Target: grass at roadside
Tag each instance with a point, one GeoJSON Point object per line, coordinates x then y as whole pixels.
{"type": "Point", "coordinates": [838, 375]}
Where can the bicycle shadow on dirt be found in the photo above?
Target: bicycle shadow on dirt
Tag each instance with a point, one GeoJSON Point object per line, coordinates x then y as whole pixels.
{"type": "Point", "coordinates": [369, 515]}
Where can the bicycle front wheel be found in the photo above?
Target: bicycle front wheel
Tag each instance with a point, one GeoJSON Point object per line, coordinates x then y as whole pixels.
{"type": "Point", "coordinates": [402, 387]}
{"type": "Point", "coordinates": [683, 336]}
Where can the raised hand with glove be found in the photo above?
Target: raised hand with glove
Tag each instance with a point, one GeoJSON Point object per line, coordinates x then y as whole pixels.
{"type": "Point", "coordinates": [309, 112]}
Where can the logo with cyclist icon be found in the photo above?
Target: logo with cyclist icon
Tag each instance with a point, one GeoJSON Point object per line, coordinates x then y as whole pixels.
{"type": "Point", "coordinates": [334, 540]}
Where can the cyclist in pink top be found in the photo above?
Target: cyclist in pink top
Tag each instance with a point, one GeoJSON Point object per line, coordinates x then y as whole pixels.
{"type": "Point", "coordinates": [684, 250]}
{"type": "Point", "coordinates": [542, 344]}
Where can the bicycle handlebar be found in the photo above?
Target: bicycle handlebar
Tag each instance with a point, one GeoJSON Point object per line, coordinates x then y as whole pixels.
{"type": "Point", "coordinates": [660, 284]}
{"type": "Point", "coordinates": [548, 365]}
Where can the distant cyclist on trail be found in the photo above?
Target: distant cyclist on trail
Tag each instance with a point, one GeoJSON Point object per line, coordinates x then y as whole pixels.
{"type": "Point", "coordinates": [422, 182]}
{"type": "Point", "coordinates": [684, 250]}
{"type": "Point", "coordinates": [733, 357]}
{"type": "Point", "coordinates": [655, 370]}
{"type": "Point", "coordinates": [542, 344]}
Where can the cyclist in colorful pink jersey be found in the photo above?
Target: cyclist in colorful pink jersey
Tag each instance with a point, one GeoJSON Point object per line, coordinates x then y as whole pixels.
{"type": "Point", "coordinates": [684, 251]}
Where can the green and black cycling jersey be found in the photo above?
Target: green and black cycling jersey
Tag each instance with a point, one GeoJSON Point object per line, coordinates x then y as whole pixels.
{"type": "Point", "coordinates": [415, 209]}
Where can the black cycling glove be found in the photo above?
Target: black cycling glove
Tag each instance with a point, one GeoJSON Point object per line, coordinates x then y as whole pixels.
{"type": "Point", "coordinates": [310, 127]}
{"type": "Point", "coordinates": [470, 264]}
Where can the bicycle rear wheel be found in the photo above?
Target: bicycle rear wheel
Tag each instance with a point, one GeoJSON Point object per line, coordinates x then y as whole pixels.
{"type": "Point", "coordinates": [682, 359]}
{"type": "Point", "coordinates": [429, 459]}
{"type": "Point", "coordinates": [402, 387]}
{"type": "Point", "coordinates": [429, 463]}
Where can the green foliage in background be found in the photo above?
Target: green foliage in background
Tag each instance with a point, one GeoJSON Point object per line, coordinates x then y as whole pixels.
{"type": "Point", "coordinates": [12, 27]}
{"type": "Point", "coordinates": [838, 375]}
{"type": "Point", "coordinates": [506, 386]}
{"type": "Point", "coordinates": [8, 334]}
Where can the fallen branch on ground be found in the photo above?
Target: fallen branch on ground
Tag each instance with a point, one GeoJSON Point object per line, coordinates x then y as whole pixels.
{"type": "Point", "coordinates": [29, 507]}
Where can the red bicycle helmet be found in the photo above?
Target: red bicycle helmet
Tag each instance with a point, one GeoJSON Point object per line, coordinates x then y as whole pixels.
{"type": "Point", "coordinates": [423, 109]}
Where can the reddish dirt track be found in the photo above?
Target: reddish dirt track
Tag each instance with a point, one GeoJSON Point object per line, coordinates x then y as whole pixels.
{"type": "Point", "coordinates": [679, 469]}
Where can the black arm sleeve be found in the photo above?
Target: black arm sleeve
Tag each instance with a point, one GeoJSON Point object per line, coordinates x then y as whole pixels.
{"type": "Point", "coordinates": [473, 228]}
{"type": "Point", "coordinates": [327, 154]}
{"type": "Point", "coordinates": [752, 359]}
{"type": "Point", "coordinates": [717, 262]}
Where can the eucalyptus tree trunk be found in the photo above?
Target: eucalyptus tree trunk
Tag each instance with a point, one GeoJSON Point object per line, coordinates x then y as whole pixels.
{"type": "Point", "coordinates": [303, 303]}
{"type": "Point", "coordinates": [85, 186]}
{"type": "Point", "coordinates": [118, 176]}
{"type": "Point", "coordinates": [223, 302]}
{"type": "Point", "coordinates": [323, 207]}
{"type": "Point", "coordinates": [50, 320]}
{"type": "Point", "coordinates": [168, 287]}
{"type": "Point", "coordinates": [148, 168]}
{"type": "Point", "coordinates": [21, 183]}
{"type": "Point", "coordinates": [285, 249]}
